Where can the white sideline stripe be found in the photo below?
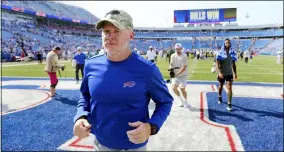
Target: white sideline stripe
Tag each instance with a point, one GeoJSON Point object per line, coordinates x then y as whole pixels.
{"type": "Point", "coordinates": [189, 73]}
{"type": "Point", "coordinates": [165, 80]}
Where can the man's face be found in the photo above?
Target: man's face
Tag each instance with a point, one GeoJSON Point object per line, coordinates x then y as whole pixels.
{"type": "Point", "coordinates": [178, 50]}
{"type": "Point", "coordinates": [114, 39]}
{"type": "Point", "coordinates": [57, 51]}
{"type": "Point", "coordinates": [227, 44]}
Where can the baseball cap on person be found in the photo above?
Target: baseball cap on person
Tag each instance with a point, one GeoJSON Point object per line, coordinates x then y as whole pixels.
{"type": "Point", "coordinates": [118, 18]}
{"type": "Point", "coordinates": [56, 48]}
{"type": "Point", "coordinates": [178, 46]}
{"type": "Point", "coordinates": [79, 48]}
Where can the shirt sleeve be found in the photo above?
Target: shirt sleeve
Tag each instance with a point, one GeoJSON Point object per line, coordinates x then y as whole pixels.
{"type": "Point", "coordinates": [83, 107]}
{"type": "Point", "coordinates": [160, 94]}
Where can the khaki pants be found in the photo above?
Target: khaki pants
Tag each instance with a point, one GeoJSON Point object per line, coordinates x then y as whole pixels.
{"type": "Point", "coordinates": [99, 147]}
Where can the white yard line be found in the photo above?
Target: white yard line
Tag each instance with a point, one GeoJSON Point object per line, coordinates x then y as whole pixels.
{"type": "Point", "coordinates": [10, 65]}
{"type": "Point", "coordinates": [208, 67]}
{"type": "Point", "coordinates": [245, 77]}
{"type": "Point", "coordinates": [266, 69]}
{"type": "Point", "coordinates": [24, 64]}
{"type": "Point", "coordinates": [242, 73]}
{"type": "Point", "coordinates": [192, 72]}
{"type": "Point", "coordinates": [31, 70]}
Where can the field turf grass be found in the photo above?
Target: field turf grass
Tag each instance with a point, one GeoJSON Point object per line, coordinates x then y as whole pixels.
{"type": "Point", "coordinates": [262, 69]}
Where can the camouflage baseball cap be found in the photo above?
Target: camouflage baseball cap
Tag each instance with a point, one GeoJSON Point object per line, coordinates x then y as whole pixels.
{"type": "Point", "coordinates": [118, 18]}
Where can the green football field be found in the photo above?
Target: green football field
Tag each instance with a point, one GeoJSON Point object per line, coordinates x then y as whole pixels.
{"type": "Point", "coordinates": [262, 69]}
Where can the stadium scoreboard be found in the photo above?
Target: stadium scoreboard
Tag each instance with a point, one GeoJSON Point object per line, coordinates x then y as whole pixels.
{"type": "Point", "coordinates": [205, 15]}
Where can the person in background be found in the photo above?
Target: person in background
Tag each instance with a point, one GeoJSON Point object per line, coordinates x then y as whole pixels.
{"type": "Point", "coordinates": [79, 63]}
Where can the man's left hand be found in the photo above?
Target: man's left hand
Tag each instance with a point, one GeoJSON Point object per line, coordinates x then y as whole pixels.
{"type": "Point", "coordinates": [236, 76]}
{"type": "Point", "coordinates": [140, 134]}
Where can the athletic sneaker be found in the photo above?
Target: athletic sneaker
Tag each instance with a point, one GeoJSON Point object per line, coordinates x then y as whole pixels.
{"type": "Point", "coordinates": [181, 101]}
{"type": "Point", "coordinates": [186, 105]}
{"type": "Point", "coordinates": [219, 100]}
{"type": "Point", "coordinates": [229, 107]}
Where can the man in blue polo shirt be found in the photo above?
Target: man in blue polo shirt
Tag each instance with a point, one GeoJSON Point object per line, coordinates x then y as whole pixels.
{"type": "Point", "coordinates": [116, 90]}
{"type": "Point", "coordinates": [79, 59]}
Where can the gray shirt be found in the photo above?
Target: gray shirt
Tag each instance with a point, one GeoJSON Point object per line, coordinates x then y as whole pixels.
{"type": "Point", "coordinates": [227, 65]}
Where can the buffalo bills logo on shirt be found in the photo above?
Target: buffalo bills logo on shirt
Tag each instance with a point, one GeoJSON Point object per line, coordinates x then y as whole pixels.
{"type": "Point", "coordinates": [129, 84]}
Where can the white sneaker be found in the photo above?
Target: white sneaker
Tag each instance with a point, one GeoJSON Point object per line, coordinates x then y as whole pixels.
{"type": "Point", "coordinates": [186, 105]}
{"type": "Point", "coordinates": [181, 101]}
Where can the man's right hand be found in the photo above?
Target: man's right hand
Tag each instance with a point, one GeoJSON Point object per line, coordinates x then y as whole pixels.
{"type": "Point", "coordinates": [82, 128]}
{"type": "Point", "coordinates": [221, 76]}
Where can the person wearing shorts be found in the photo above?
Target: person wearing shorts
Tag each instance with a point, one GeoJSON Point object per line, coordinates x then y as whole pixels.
{"type": "Point", "coordinates": [179, 59]}
{"type": "Point", "coordinates": [226, 59]}
{"type": "Point", "coordinates": [51, 67]}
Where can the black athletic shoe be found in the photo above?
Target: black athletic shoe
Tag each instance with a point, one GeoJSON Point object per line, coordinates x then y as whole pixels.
{"type": "Point", "coordinates": [229, 107]}
{"type": "Point", "coordinates": [219, 100]}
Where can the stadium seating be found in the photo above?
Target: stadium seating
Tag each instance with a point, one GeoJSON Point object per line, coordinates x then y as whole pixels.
{"type": "Point", "coordinates": [272, 47]}
{"type": "Point", "coordinates": [42, 38]}
{"type": "Point", "coordinates": [55, 8]}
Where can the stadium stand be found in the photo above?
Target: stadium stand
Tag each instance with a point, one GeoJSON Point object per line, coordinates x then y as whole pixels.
{"type": "Point", "coordinates": [25, 33]}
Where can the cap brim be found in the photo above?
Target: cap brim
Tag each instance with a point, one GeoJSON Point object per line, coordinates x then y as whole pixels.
{"type": "Point", "coordinates": [100, 24]}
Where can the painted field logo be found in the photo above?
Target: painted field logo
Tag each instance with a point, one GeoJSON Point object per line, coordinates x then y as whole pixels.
{"type": "Point", "coordinates": [129, 84]}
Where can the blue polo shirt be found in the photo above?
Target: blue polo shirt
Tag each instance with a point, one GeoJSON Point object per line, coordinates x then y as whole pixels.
{"type": "Point", "coordinates": [80, 58]}
{"type": "Point", "coordinates": [116, 93]}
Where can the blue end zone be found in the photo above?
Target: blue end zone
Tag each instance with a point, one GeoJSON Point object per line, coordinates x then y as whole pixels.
{"type": "Point", "coordinates": [259, 122]}
{"type": "Point", "coordinates": [44, 127]}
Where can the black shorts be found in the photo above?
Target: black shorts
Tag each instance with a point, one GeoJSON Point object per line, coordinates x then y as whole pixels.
{"type": "Point", "coordinates": [227, 78]}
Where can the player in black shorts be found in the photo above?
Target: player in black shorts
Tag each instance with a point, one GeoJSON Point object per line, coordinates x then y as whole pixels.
{"type": "Point", "coordinates": [226, 59]}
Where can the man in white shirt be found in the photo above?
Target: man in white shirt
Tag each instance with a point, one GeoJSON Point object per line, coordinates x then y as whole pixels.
{"type": "Point", "coordinates": [246, 54]}
{"type": "Point", "coordinates": [151, 54]}
{"type": "Point", "coordinates": [179, 62]}
{"type": "Point", "coordinates": [278, 57]}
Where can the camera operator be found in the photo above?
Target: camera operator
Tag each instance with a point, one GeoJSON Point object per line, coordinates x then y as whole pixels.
{"type": "Point", "coordinates": [52, 66]}
{"type": "Point", "coordinates": [179, 73]}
